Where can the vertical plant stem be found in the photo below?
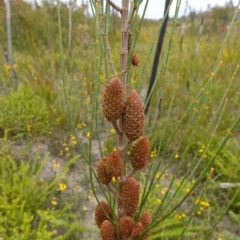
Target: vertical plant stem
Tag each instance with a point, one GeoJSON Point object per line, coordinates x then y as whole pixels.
{"type": "Point", "coordinates": [199, 35]}
{"type": "Point", "coordinates": [70, 25]}
{"type": "Point", "coordinates": [64, 81]}
{"type": "Point", "coordinates": [123, 52]}
{"type": "Point", "coordinates": [124, 41]}
{"type": "Point", "coordinates": [183, 26]}
{"type": "Point", "coordinates": [106, 45]}
{"type": "Point", "coordinates": [9, 39]}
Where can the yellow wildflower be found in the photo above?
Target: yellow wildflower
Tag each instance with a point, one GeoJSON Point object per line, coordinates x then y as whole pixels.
{"type": "Point", "coordinates": [89, 198]}
{"type": "Point", "coordinates": [62, 186]}
{"type": "Point", "coordinates": [6, 67]}
{"type": "Point", "coordinates": [158, 174]}
{"type": "Point", "coordinates": [112, 130]}
{"type": "Point", "coordinates": [183, 215]}
{"type": "Point", "coordinates": [229, 131]}
{"type": "Point", "coordinates": [53, 201]}
{"type": "Point", "coordinates": [55, 165]}
{"type": "Point", "coordinates": [153, 153]}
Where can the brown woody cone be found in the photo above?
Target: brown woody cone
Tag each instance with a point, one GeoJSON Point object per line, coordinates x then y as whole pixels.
{"type": "Point", "coordinates": [108, 231]}
{"type": "Point", "coordinates": [146, 221]}
{"type": "Point", "coordinates": [129, 196]}
{"type": "Point", "coordinates": [100, 215]}
{"type": "Point", "coordinates": [113, 100]}
{"type": "Point", "coordinates": [135, 60]}
{"type": "Point", "coordinates": [115, 164]}
{"type": "Point", "coordinates": [140, 153]}
{"type": "Point", "coordinates": [137, 229]}
{"type": "Point", "coordinates": [103, 175]}
{"type": "Point", "coordinates": [133, 116]}
{"type": "Point", "coordinates": [125, 226]}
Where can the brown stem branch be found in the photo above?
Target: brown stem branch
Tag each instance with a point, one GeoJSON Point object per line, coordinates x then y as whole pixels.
{"type": "Point", "coordinates": [124, 42]}
{"type": "Point", "coordinates": [115, 6]}
{"type": "Point", "coordinates": [123, 148]}
{"type": "Point", "coordinates": [131, 174]}
{"type": "Point", "coordinates": [123, 54]}
{"type": "Point", "coordinates": [110, 188]}
{"type": "Point", "coordinates": [115, 126]}
{"type": "Point", "coordinates": [110, 61]}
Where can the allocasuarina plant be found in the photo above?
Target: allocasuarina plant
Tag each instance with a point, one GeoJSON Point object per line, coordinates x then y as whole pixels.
{"type": "Point", "coordinates": [119, 218]}
{"type": "Point", "coordinates": [131, 114]}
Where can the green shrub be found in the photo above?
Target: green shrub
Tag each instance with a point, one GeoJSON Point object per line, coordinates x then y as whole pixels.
{"type": "Point", "coordinates": [25, 112]}
{"type": "Point", "coordinates": [32, 208]}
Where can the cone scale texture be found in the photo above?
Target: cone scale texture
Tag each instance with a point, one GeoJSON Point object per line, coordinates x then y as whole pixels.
{"type": "Point", "coordinates": [113, 100]}
{"type": "Point", "coordinates": [100, 215]}
{"type": "Point", "coordinates": [103, 175]}
{"type": "Point", "coordinates": [125, 226]}
{"type": "Point", "coordinates": [108, 231]}
{"type": "Point", "coordinates": [140, 152]}
{"type": "Point", "coordinates": [129, 196]}
{"type": "Point", "coordinates": [133, 116]}
{"type": "Point", "coordinates": [115, 164]}
{"type": "Point", "coordinates": [137, 229]}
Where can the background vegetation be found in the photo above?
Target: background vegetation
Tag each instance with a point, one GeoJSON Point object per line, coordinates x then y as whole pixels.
{"type": "Point", "coordinates": [44, 187]}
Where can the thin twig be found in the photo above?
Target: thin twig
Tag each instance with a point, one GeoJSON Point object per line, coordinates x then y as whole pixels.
{"type": "Point", "coordinates": [110, 60]}
{"type": "Point", "coordinates": [115, 6]}
{"type": "Point", "coordinates": [132, 14]}
{"type": "Point", "coordinates": [131, 173]}
{"type": "Point", "coordinates": [110, 188]}
{"type": "Point", "coordinates": [9, 40]}
{"type": "Point", "coordinates": [122, 149]}
{"type": "Point", "coordinates": [119, 132]}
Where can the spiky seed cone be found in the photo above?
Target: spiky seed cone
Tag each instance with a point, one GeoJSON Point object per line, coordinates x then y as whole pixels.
{"type": "Point", "coordinates": [108, 231]}
{"type": "Point", "coordinates": [115, 164]}
{"type": "Point", "coordinates": [103, 175]}
{"type": "Point", "coordinates": [133, 116]}
{"type": "Point", "coordinates": [125, 226]}
{"type": "Point", "coordinates": [129, 196]}
{"type": "Point", "coordinates": [137, 229]}
{"type": "Point", "coordinates": [140, 153]}
{"type": "Point", "coordinates": [146, 219]}
{"type": "Point", "coordinates": [113, 100]}
{"type": "Point", "coordinates": [135, 60]}
{"type": "Point", "coordinates": [100, 215]}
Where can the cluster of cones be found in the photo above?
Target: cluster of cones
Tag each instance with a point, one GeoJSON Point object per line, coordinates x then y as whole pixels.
{"type": "Point", "coordinates": [124, 223]}
{"type": "Point", "coordinates": [126, 228]}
